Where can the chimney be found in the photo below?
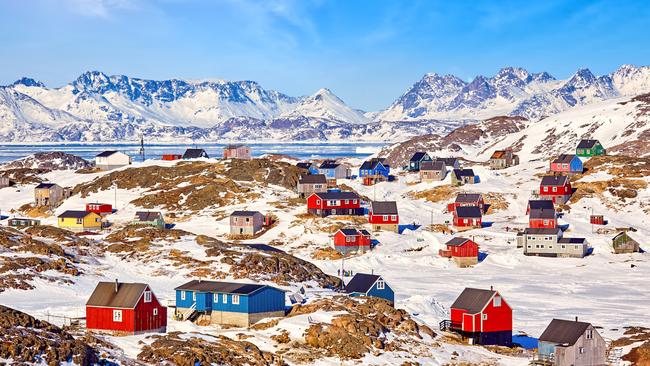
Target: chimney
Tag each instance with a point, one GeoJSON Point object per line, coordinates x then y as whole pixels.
{"type": "Point", "coordinates": [116, 285]}
{"type": "Point", "coordinates": [372, 271]}
{"type": "Point", "coordinates": [576, 318]}
{"type": "Point", "coordinates": [491, 288]}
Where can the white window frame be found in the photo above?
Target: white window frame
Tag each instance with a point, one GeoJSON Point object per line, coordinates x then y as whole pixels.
{"type": "Point", "coordinates": [381, 285]}
{"type": "Point", "coordinates": [393, 218]}
{"type": "Point", "coordinates": [554, 189]}
{"type": "Point", "coordinates": [117, 316]}
{"type": "Point", "coordinates": [147, 296]}
{"type": "Point", "coordinates": [224, 297]}
{"type": "Point", "coordinates": [590, 334]}
{"type": "Point", "coordinates": [385, 217]}
{"type": "Point", "coordinates": [235, 299]}
{"type": "Point", "coordinates": [215, 298]}
{"type": "Point", "coordinates": [318, 202]}
{"type": "Point", "coordinates": [545, 189]}
{"type": "Point", "coordinates": [484, 317]}
{"type": "Point", "coordinates": [193, 296]}
{"type": "Point", "coordinates": [155, 311]}
{"type": "Point", "coordinates": [183, 295]}
{"type": "Point", "coordinates": [497, 301]}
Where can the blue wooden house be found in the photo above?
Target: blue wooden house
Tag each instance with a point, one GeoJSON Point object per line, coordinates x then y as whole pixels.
{"type": "Point", "coordinates": [416, 159]}
{"type": "Point", "coordinates": [374, 167]}
{"type": "Point", "coordinates": [239, 304]}
{"type": "Point", "coordinates": [363, 284]}
{"type": "Point", "coordinates": [333, 170]}
{"type": "Point", "coordinates": [311, 167]}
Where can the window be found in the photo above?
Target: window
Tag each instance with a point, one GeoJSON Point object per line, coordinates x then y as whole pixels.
{"type": "Point", "coordinates": [235, 299]}
{"type": "Point", "coordinates": [182, 295]}
{"type": "Point", "coordinates": [318, 202]}
{"type": "Point", "coordinates": [554, 189]}
{"type": "Point", "coordinates": [381, 285]}
{"type": "Point", "coordinates": [155, 311]}
{"type": "Point", "coordinates": [542, 246]}
{"type": "Point", "coordinates": [347, 202]}
{"type": "Point", "coordinates": [545, 189]}
{"type": "Point", "coordinates": [385, 217]}
{"type": "Point", "coordinates": [530, 246]}
{"type": "Point", "coordinates": [393, 217]}
{"type": "Point", "coordinates": [225, 298]}
{"type": "Point", "coordinates": [590, 334]}
{"type": "Point", "coordinates": [545, 222]}
{"type": "Point", "coordinates": [354, 202]}
{"type": "Point", "coordinates": [484, 316]}
{"type": "Point", "coordinates": [497, 301]}
{"type": "Point", "coordinates": [147, 296]}
{"type": "Point", "coordinates": [215, 298]}
{"type": "Point", "coordinates": [80, 221]}
{"type": "Point", "coordinates": [582, 350]}
{"type": "Point", "coordinates": [117, 315]}
{"type": "Point", "coordinates": [550, 247]}
{"type": "Point", "coordinates": [193, 296]}
{"type": "Point", "coordinates": [577, 246]}
{"type": "Point", "coordinates": [465, 221]}
{"type": "Point", "coordinates": [248, 219]}
{"type": "Point", "coordinates": [563, 246]}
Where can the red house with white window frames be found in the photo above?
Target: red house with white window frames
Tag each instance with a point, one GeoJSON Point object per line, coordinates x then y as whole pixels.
{"type": "Point", "coordinates": [468, 216]}
{"type": "Point", "coordinates": [467, 199]}
{"type": "Point", "coordinates": [556, 188]}
{"type": "Point", "coordinates": [346, 240]}
{"type": "Point", "coordinates": [99, 208]}
{"type": "Point", "coordinates": [172, 157]}
{"type": "Point", "coordinates": [482, 317]}
{"type": "Point", "coordinates": [334, 203]}
{"type": "Point", "coordinates": [125, 309]}
{"type": "Point", "coordinates": [383, 215]}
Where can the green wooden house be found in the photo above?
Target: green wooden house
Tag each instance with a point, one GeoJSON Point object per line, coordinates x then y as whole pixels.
{"type": "Point", "coordinates": [589, 148]}
{"type": "Point", "coordinates": [623, 243]}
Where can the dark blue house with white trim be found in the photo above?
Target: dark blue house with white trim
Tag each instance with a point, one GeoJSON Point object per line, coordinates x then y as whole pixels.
{"type": "Point", "coordinates": [373, 168]}
{"type": "Point", "coordinates": [363, 284]}
{"type": "Point", "coordinates": [239, 304]}
{"type": "Point", "coordinates": [416, 159]}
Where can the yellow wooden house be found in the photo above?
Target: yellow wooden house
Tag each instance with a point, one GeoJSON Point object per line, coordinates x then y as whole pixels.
{"type": "Point", "coordinates": [80, 221]}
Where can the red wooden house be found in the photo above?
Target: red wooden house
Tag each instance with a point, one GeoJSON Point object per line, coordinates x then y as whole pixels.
{"type": "Point", "coordinates": [468, 216]}
{"type": "Point", "coordinates": [172, 156]}
{"type": "Point", "coordinates": [334, 203]}
{"type": "Point", "coordinates": [556, 188]}
{"type": "Point", "coordinates": [352, 240]}
{"type": "Point", "coordinates": [542, 217]}
{"type": "Point", "coordinates": [462, 250]}
{"type": "Point", "coordinates": [124, 309]}
{"type": "Point", "coordinates": [467, 199]}
{"type": "Point", "coordinates": [481, 317]}
{"type": "Point", "coordinates": [383, 215]}
{"type": "Point", "coordinates": [99, 208]}
{"type": "Point", "coordinates": [597, 220]}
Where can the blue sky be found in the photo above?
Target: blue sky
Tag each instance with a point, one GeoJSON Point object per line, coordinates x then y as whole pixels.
{"type": "Point", "coordinates": [367, 52]}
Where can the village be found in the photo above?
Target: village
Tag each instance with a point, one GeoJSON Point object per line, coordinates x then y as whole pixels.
{"type": "Point", "coordinates": [359, 195]}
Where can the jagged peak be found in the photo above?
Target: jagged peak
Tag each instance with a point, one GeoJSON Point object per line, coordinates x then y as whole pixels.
{"type": "Point", "coordinates": [28, 82]}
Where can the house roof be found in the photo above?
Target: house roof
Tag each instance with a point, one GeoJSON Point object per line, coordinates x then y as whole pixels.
{"type": "Point", "coordinates": [126, 296]}
{"type": "Point", "coordinates": [473, 300]}
{"type": "Point", "coordinates": [337, 195]}
{"type": "Point", "coordinates": [73, 214]}
{"type": "Point", "coordinates": [564, 159]}
{"type": "Point", "coordinates": [457, 241]}
{"type": "Point", "coordinates": [361, 282]}
{"type": "Point", "coordinates": [468, 197]}
{"type": "Point", "coordinates": [106, 153]}
{"type": "Point", "coordinates": [220, 286]}
{"type": "Point", "coordinates": [364, 232]}
{"type": "Point", "coordinates": [468, 211]}
{"type": "Point", "coordinates": [572, 241]}
{"type": "Point", "coordinates": [350, 232]}
{"type": "Point", "coordinates": [383, 207]}
{"type": "Point", "coordinates": [542, 213]}
{"type": "Point", "coordinates": [463, 173]}
{"type": "Point", "coordinates": [564, 331]}
{"type": "Point", "coordinates": [499, 154]}
{"type": "Point", "coordinates": [447, 161]}
{"type": "Point", "coordinates": [419, 156]}
{"type": "Point", "coordinates": [194, 153]}
{"type": "Point", "coordinates": [554, 180]}
{"type": "Point", "coordinates": [542, 231]}
{"type": "Point", "coordinates": [146, 216]}
{"type": "Point", "coordinates": [234, 146]}
{"type": "Point", "coordinates": [631, 236]}
{"type": "Point", "coordinates": [432, 165]}
{"type": "Point", "coordinates": [45, 185]}
{"type": "Point", "coordinates": [313, 179]}
{"type": "Point", "coordinates": [587, 144]}
{"type": "Point", "coordinates": [371, 164]}
{"type": "Point", "coordinates": [304, 165]}
{"type": "Point", "coordinates": [245, 213]}
{"type": "Point", "coordinates": [329, 164]}
{"type": "Point", "coordinates": [537, 204]}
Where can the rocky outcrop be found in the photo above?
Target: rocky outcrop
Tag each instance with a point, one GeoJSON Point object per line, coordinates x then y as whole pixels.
{"type": "Point", "coordinates": [54, 160]}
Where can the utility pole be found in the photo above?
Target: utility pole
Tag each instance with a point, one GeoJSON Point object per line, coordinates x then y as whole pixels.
{"type": "Point", "coordinates": [115, 199]}
{"type": "Point", "coordinates": [142, 148]}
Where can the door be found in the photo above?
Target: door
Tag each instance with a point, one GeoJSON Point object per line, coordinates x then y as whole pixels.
{"type": "Point", "coordinates": [241, 230]}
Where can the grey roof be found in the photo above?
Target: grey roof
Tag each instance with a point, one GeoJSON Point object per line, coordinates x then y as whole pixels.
{"type": "Point", "coordinates": [447, 161]}
{"type": "Point", "coordinates": [106, 153]}
{"type": "Point", "coordinates": [245, 213]}
{"type": "Point", "coordinates": [74, 214]}
{"type": "Point", "coordinates": [126, 296]}
{"type": "Point", "coordinates": [45, 185]}
{"type": "Point", "coordinates": [564, 159]}
{"type": "Point", "coordinates": [361, 282]}
{"type": "Point", "coordinates": [364, 232]}
{"type": "Point", "coordinates": [457, 241]}
{"type": "Point", "coordinates": [304, 165]}
{"type": "Point", "coordinates": [419, 156]}
{"type": "Point", "coordinates": [473, 300]}
{"type": "Point", "coordinates": [468, 197]}
{"type": "Point", "coordinates": [554, 180]}
{"type": "Point", "coordinates": [463, 173]}
{"type": "Point", "coordinates": [147, 216]}
{"type": "Point", "coordinates": [542, 213]}
{"type": "Point", "coordinates": [222, 287]}
{"type": "Point", "coordinates": [542, 231]}
{"type": "Point", "coordinates": [572, 241]}
{"type": "Point", "coordinates": [313, 179]}
{"type": "Point", "coordinates": [587, 144]}
{"type": "Point", "coordinates": [468, 211]}
{"type": "Point", "coordinates": [234, 146]}
{"type": "Point", "coordinates": [537, 204]}
{"type": "Point", "coordinates": [432, 165]}
{"type": "Point", "coordinates": [194, 154]}
{"type": "Point", "coordinates": [384, 207]}
{"type": "Point", "coordinates": [329, 164]}
{"type": "Point", "coordinates": [349, 232]}
{"type": "Point", "coordinates": [337, 195]}
{"type": "Point", "coordinates": [564, 331]}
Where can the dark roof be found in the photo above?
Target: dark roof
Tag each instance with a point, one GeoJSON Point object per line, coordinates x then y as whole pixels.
{"type": "Point", "coordinates": [329, 164]}
{"type": "Point", "coordinates": [456, 242]}
{"type": "Point", "coordinates": [538, 204]}
{"type": "Point", "coordinates": [473, 300]}
{"type": "Point", "coordinates": [564, 331]}
{"type": "Point", "coordinates": [468, 197]}
{"type": "Point", "coordinates": [554, 180]}
{"type": "Point", "coordinates": [361, 282]}
{"type": "Point", "coordinates": [303, 165]}
{"type": "Point", "coordinates": [370, 164]}
{"type": "Point", "coordinates": [572, 241]}
{"type": "Point", "coordinates": [350, 232]}
{"type": "Point", "coordinates": [384, 207]}
{"type": "Point", "coordinates": [245, 213]}
{"type": "Point", "coordinates": [106, 153]}
{"type": "Point", "coordinates": [45, 185]}
{"type": "Point", "coordinates": [463, 173]}
{"type": "Point", "coordinates": [419, 156]}
{"type": "Point", "coordinates": [564, 159]}
{"type": "Point", "coordinates": [542, 213]}
{"type": "Point", "coordinates": [468, 211]}
{"type": "Point", "coordinates": [74, 214]}
{"type": "Point", "coordinates": [542, 231]}
{"type": "Point", "coordinates": [447, 161]}
{"type": "Point", "coordinates": [337, 195]}
{"type": "Point", "coordinates": [234, 146]}
{"type": "Point", "coordinates": [364, 232]}
{"type": "Point", "coordinates": [126, 296]}
{"type": "Point", "coordinates": [432, 165]}
{"type": "Point", "coordinates": [587, 144]}
{"type": "Point", "coordinates": [313, 179]}
{"type": "Point", "coordinates": [194, 153]}
{"type": "Point", "coordinates": [219, 286]}
{"type": "Point", "coordinates": [146, 216]}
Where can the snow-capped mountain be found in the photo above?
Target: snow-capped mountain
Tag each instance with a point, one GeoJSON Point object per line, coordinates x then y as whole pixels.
{"type": "Point", "coordinates": [512, 91]}
{"type": "Point", "coordinates": [324, 104]}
